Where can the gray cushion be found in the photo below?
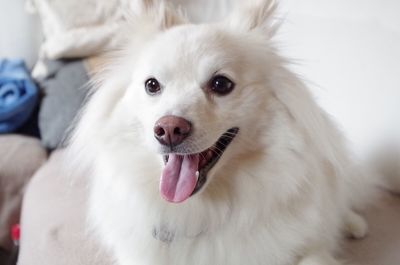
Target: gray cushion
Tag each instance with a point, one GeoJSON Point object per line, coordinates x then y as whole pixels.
{"type": "Point", "coordinates": [64, 89]}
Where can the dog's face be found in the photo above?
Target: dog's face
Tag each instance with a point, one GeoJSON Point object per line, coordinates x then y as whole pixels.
{"type": "Point", "coordinates": [195, 94]}
{"type": "Point", "coordinates": [187, 78]}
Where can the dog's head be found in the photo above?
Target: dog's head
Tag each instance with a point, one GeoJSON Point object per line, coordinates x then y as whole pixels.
{"type": "Point", "coordinates": [196, 92]}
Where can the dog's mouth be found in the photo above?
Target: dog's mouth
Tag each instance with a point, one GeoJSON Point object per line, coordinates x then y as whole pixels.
{"type": "Point", "coordinates": [185, 175]}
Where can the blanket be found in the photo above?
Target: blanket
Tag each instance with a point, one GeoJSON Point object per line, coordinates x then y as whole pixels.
{"type": "Point", "coordinates": [18, 95]}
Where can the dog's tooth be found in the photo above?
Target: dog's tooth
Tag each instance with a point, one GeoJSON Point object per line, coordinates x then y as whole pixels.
{"type": "Point", "coordinates": [197, 174]}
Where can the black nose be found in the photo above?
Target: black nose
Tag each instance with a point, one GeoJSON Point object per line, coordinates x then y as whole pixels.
{"type": "Point", "coordinates": [172, 130]}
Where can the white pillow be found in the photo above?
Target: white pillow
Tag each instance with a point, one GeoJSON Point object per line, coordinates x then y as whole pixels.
{"type": "Point", "coordinates": [77, 28]}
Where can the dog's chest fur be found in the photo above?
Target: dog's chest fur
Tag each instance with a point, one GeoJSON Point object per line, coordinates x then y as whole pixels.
{"type": "Point", "coordinates": [230, 231]}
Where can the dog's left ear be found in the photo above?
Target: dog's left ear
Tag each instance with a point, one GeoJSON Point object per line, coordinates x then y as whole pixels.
{"type": "Point", "coordinates": [254, 15]}
{"type": "Point", "coordinates": [161, 13]}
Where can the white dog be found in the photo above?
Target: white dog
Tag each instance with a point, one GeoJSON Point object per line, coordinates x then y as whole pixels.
{"type": "Point", "coordinates": [206, 150]}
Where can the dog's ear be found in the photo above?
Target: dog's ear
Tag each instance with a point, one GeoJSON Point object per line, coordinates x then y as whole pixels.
{"type": "Point", "coordinates": [254, 15]}
{"type": "Point", "coordinates": [159, 12]}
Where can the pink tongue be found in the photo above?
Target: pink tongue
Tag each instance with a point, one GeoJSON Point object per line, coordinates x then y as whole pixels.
{"type": "Point", "coordinates": [178, 178]}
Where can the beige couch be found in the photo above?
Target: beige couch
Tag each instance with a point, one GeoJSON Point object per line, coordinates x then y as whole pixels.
{"type": "Point", "coordinates": [20, 157]}
{"type": "Point", "coordinates": [53, 221]}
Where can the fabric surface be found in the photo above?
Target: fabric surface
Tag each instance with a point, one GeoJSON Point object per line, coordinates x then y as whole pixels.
{"type": "Point", "coordinates": [382, 245]}
{"type": "Point", "coordinates": [18, 95]}
{"type": "Point", "coordinates": [20, 157]}
{"type": "Point", "coordinates": [53, 220]}
{"type": "Point", "coordinates": [64, 87]}
{"type": "Point", "coordinates": [53, 228]}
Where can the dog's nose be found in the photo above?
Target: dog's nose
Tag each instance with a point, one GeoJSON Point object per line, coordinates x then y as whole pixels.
{"type": "Point", "coordinates": [172, 130]}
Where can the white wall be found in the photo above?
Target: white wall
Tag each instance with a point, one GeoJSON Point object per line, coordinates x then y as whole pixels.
{"type": "Point", "coordinates": [349, 52]}
{"type": "Point", "coordinates": [19, 32]}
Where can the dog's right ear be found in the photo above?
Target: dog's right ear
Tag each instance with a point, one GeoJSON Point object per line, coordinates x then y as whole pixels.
{"type": "Point", "coordinates": [252, 15]}
{"type": "Point", "coordinates": [159, 12]}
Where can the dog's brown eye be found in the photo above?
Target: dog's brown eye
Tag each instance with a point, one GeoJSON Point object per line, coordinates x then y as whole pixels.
{"type": "Point", "coordinates": [152, 86]}
{"type": "Point", "coordinates": [221, 85]}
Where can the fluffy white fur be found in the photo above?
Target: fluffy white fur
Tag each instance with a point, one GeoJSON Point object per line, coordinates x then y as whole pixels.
{"type": "Point", "coordinates": [284, 191]}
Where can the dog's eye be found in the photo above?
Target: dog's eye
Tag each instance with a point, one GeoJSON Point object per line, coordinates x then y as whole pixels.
{"type": "Point", "coordinates": [221, 85]}
{"type": "Point", "coordinates": [152, 86]}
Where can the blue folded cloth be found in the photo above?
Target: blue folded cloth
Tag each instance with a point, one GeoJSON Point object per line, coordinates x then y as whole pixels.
{"type": "Point", "coordinates": [18, 95]}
